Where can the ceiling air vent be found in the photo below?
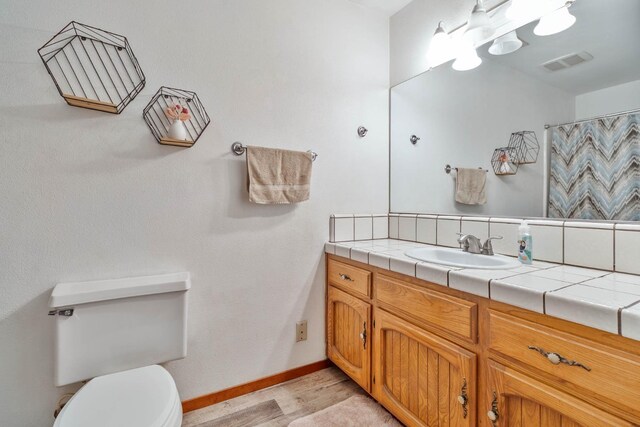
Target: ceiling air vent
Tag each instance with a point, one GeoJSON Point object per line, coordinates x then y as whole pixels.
{"type": "Point", "coordinates": [567, 61]}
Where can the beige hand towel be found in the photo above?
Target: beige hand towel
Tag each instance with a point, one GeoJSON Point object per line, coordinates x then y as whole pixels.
{"type": "Point", "coordinates": [278, 176]}
{"type": "Point", "coordinates": [471, 186]}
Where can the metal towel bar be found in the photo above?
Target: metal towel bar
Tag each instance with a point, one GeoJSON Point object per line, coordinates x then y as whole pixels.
{"type": "Point", "coordinates": [238, 149]}
{"type": "Point", "coordinates": [449, 168]}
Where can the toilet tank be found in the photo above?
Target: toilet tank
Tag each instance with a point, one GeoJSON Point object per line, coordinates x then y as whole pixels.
{"type": "Point", "coordinates": [108, 326]}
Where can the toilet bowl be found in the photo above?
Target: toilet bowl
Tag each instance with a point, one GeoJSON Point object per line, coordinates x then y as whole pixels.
{"type": "Point", "coordinates": [141, 397]}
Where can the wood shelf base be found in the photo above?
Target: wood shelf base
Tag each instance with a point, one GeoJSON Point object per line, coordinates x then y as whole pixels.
{"type": "Point", "coordinates": [91, 104]}
{"type": "Point", "coordinates": [176, 142]}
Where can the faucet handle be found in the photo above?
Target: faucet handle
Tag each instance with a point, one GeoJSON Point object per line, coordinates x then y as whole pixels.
{"type": "Point", "coordinates": [487, 248]}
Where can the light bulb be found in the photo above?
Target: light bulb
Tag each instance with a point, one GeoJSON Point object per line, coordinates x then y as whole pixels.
{"type": "Point", "coordinates": [555, 22]}
{"type": "Point", "coordinates": [468, 58]}
{"type": "Point", "coordinates": [479, 27]}
{"type": "Point", "coordinates": [440, 47]}
{"type": "Point", "coordinates": [505, 44]}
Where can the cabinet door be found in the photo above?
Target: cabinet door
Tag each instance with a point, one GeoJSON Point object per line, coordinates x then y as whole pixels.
{"type": "Point", "coordinates": [424, 380]}
{"type": "Point", "coordinates": [520, 401]}
{"type": "Point", "coordinates": [348, 335]}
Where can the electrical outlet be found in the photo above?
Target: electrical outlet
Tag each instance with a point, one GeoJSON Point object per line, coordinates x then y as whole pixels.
{"type": "Point", "coordinates": [301, 331]}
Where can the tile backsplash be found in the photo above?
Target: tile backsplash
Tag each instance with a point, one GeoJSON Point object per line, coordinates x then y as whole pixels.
{"type": "Point", "coordinates": [600, 245]}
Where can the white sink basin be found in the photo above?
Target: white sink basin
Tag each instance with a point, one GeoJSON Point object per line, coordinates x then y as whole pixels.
{"type": "Point", "coordinates": [458, 258]}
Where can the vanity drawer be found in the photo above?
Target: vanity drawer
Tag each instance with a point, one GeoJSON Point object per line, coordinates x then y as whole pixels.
{"type": "Point", "coordinates": [611, 375]}
{"type": "Point", "coordinates": [349, 277]}
{"type": "Point", "coordinates": [448, 313]}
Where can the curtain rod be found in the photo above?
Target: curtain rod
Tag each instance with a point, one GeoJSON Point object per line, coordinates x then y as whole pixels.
{"type": "Point", "coordinates": [622, 113]}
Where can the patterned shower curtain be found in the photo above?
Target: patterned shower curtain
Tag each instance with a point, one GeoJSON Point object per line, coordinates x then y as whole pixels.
{"type": "Point", "coordinates": [595, 169]}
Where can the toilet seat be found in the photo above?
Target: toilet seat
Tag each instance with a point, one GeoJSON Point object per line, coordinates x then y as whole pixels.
{"type": "Point", "coordinates": [141, 397]}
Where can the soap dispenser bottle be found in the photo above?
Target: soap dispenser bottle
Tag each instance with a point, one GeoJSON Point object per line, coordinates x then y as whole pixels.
{"type": "Point", "coordinates": [525, 242]}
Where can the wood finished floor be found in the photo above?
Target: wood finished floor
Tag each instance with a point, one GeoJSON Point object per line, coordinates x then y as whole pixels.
{"type": "Point", "coordinates": [278, 405]}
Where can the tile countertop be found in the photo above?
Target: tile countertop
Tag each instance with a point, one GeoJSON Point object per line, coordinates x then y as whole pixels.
{"type": "Point", "coordinates": [597, 298]}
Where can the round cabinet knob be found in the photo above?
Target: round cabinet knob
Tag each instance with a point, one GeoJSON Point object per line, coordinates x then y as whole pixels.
{"type": "Point", "coordinates": [462, 399]}
{"type": "Point", "coordinates": [361, 336]}
{"type": "Point", "coordinates": [493, 416]}
{"type": "Point", "coordinates": [553, 358]}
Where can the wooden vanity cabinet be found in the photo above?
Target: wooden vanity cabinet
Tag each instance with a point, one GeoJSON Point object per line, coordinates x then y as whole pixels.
{"type": "Point", "coordinates": [518, 400]}
{"type": "Point", "coordinates": [423, 379]}
{"type": "Point", "coordinates": [434, 356]}
{"type": "Point", "coordinates": [348, 335]}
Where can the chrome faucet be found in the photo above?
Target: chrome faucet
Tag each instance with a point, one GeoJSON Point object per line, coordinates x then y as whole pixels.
{"type": "Point", "coordinates": [470, 243]}
{"type": "Point", "coordinates": [473, 245]}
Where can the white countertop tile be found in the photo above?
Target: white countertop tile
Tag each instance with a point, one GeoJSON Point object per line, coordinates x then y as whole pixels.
{"type": "Point", "coordinates": [434, 273]}
{"type": "Point", "coordinates": [557, 273]}
{"type": "Point", "coordinates": [476, 281]}
{"type": "Point", "coordinates": [542, 264]}
{"type": "Point", "coordinates": [361, 255]}
{"type": "Point", "coordinates": [614, 285]}
{"type": "Point", "coordinates": [379, 259]}
{"type": "Point", "coordinates": [622, 277]}
{"type": "Point", "coordinates": [525, 290]}
{"type": "Point", "coordinates": [630, 322]}
{"type": "Point", "coordinates": [581, 271]}
{"type": "Point", "coordinates": [343, 250]}
{"type": "Point", "coordinates": [589, 306]}
{"type": "Point", "coordinates": [404, 265]}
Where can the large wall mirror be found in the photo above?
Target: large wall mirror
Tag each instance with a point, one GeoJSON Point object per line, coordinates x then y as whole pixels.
{"type": "Point", "coordinates": [578, 91]}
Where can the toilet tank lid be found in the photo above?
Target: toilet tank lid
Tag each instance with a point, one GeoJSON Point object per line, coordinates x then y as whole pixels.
{"type": "Point", "coordinates": [68, 294]}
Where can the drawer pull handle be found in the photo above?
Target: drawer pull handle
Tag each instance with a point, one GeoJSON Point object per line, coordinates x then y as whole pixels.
{"type": "Point", "coordinates": [556, 359]}
{"type": "Point", "coordinates": [363, 336]}
{"type": "Point", "coordinates": [463, 399]}
{"type": "Point", "coordinates": [345, 277]}
{"type": "Point", "coordinates": [493, 413]}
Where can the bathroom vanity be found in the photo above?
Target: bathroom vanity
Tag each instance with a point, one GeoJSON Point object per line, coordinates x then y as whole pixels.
{"type": "Point", "coordinates": [437, 356]}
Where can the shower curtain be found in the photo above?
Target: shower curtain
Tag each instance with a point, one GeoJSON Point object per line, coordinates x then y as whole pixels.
{"type": "Point", "coordinates": [595, 169]}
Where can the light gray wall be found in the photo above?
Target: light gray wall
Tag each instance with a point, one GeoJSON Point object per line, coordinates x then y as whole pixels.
{"type": "Point", "coordinates": [613, 99]}
{"type": "Point", "coordinates": [88, 195]}
{"type": "Point", "coordinates": [461, 117]}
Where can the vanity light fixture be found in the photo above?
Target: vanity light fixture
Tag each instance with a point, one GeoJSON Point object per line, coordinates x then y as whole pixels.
{"type": "Point", "coordinates": [555, 22]}
{"type": "Point", "coordinates": [479, 27]}
{"type": "Point", "coordinates": [468, 58]}
{"type": "Point", "coordinates": [506, 44]}
{"type": "Point", "coordinates": [523, 9]}
{"type": "Point", "coordinates": [440, 46]}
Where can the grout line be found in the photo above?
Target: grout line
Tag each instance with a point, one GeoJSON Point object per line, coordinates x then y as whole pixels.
{"type": "Point", "coordinates": [620, 320]}
{"type": "Point", "coordinates": [614, 247]}
{"type": "Point", "coordinates": [563, 241]}
{"type": "Point", "coordinates": [544, 302]}
{"type": "Point", "coordinates": [372, 236]}
{"type": "Point", "coordinates": [354, 229]}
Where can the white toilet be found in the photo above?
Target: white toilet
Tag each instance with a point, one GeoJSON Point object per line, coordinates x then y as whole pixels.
{"type": "Point", "coordinates": [112, 333]}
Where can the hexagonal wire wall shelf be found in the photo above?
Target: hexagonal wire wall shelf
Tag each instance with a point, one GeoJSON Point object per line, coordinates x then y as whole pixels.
{"type": "Point", "coordinates": [526, 146]}
{"type": "Point", "coordinates": [93, 68]}
{"type": "Point", "coordinates": [503, 161]}
{"type": "Point", "coordinates": [170, 128]}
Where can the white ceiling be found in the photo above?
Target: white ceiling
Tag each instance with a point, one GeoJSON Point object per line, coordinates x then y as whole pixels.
{"type": "Point", "coordinates": [608, 30]}
{"type": "Point", "coordinates": [389, 7]}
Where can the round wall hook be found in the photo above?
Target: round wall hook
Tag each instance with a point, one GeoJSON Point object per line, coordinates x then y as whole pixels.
{"type": "Point", "coordinates": [238, 148]}
{"type": "Point", "coordinates": [362, 131]}
{"type": "Point", "coordinates": [414, 139]}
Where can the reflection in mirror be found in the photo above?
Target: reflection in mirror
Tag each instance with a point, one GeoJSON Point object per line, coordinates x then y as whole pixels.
{"type": "Point", "coordinates": [578, 91]}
